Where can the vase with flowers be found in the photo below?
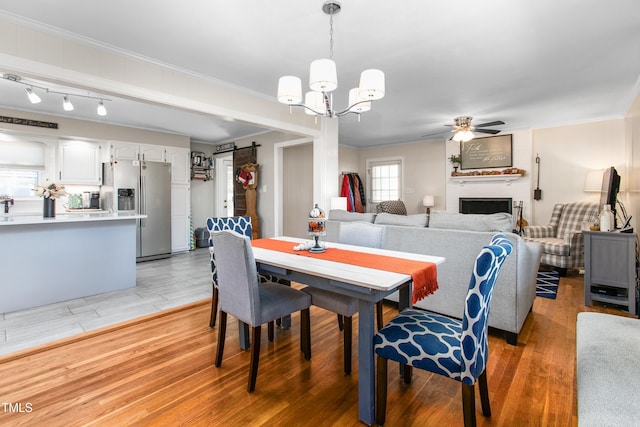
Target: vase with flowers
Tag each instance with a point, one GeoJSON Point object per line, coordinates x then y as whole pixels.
{"type": "Point", "coordinates": [50, 191]}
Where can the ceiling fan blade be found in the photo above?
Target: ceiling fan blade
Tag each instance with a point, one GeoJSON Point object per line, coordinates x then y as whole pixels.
{"type": "Point", "coordinates": [442, 132]}
{"type": "Point", "coordinates": [496, 123]}
{"type": "Point", "coordinates": [491, 131]}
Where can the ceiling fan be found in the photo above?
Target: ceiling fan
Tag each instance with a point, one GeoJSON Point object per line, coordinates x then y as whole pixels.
{"type": "Point", "coordinates": [463, 129]}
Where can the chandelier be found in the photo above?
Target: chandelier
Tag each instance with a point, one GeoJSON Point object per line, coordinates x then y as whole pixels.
{"type": "Point", "coordinates": [323, 80]}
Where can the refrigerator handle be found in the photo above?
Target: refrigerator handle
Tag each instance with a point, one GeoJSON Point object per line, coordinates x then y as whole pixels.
{"type": "Point", "coordinates": [143, 198]}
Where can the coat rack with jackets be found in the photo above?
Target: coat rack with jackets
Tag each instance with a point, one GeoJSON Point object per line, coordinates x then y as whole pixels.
{"type": "Point", "coordinates": [353, 190]}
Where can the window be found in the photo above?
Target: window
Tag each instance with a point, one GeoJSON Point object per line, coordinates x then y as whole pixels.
{"type": "Point", "coordinates": [18, 182]}
{"type": "Point", "coordinates": [22, 166]}
{"type": "Point", "coordinates": [385, 180]}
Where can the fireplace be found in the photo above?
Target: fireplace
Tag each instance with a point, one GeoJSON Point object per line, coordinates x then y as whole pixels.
{"type": "Point", "coordinates": [485, 205]}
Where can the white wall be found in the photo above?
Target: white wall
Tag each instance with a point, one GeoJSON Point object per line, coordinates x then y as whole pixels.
{"type": "Point", "coordinates": [518, 190]}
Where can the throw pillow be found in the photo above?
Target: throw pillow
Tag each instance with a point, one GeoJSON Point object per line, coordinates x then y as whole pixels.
{"type": "Point", "coordinates": [417, 220]}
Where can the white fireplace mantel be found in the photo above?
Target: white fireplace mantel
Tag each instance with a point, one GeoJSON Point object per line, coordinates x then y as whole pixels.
{"type": "Point", "coordinates": [506, 178]}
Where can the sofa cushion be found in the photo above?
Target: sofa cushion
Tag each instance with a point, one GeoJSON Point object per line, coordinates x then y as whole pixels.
{"type": "Point", "coordinates": [341, 215]}
{"type": "Point", "coordinates": [471, 222]}
{"type": "Point", "coordinates": [417, 220]}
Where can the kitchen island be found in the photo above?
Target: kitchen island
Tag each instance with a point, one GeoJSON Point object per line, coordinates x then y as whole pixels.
{"type": "Point", "coordinates": [48, 260]}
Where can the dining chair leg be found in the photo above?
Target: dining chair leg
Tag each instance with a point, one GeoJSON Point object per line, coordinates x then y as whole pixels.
{"type": "Point", "coordinates": [270, 331]}
{"type": "Point", "coordinates": [347, 339]}
{"type": "Point", "coordinates": [468, 405]}
{"type": "Point", "coordinates": [255, 356]}
{"type": "Point", "coordinates": [381, 390]}
{"type": "Point", "coordinates": [379, 318]}
{"type": "Point", "coordinates": [214, 307]}
{"type": "Point", "coordinates": [305, 333]}
{"type": "Point", "coordinates": [484, 394]}
{"type": "Point", "coordinates": [222, 330]}
{"type": "Point", "coordinates": [340, 322]}
{"type": "Point", "coordinates": [407, 374]}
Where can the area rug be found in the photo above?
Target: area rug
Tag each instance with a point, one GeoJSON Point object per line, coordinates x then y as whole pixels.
{"type": "Point", "coordinates": [547, 284]}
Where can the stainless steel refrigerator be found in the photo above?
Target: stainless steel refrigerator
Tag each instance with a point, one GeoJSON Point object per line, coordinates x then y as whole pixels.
{"type": "Point", "coordinates": [136, 186]}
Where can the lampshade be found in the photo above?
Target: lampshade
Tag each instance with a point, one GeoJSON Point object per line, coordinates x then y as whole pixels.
{"type": "Point", "coordinates": [354, 98]}
{"type": "Point", "coordinates": [289, 90]}
{"type": "Point", "coordinates": [315, 101]}
{"type": "Point", "coordinates": [339, 203]}
{"type": "Point", "coordinates": [102, 111]}
{"type": "Point", "coordinates": [428, 201]}
{"type": "Point", "coordinates": [323, 76]}
{"type": "Point", "coordinates": [593, 181]}
{"type": "Point", "coordinates": [371, 85]}
{"type": "Point", "coordinates": [66, 104]}
{"type": "Point", "coordinates": [33, 97]}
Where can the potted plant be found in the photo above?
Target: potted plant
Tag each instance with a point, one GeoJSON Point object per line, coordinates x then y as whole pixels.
{"type": "Point", "coordinates": [455, 161]}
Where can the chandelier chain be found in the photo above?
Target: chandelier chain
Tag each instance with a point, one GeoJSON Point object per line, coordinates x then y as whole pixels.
{"type": "Point", "coordinates": [331, 37]}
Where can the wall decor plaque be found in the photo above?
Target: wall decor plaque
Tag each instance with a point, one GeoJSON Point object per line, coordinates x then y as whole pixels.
{"type": "Point", "coordinates": [490, 152]}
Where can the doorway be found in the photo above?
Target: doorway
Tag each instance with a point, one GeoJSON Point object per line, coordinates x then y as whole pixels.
{"type": "Point", "coordinates": [297, 189]}
{"type": "Point", "coordinates": [224, 186]}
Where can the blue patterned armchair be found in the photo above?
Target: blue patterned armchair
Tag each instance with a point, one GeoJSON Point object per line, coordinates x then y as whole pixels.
{"type": "Point", "coordinates": [561, 239]}
{"type": "Point", "coordinates": [454, 348]}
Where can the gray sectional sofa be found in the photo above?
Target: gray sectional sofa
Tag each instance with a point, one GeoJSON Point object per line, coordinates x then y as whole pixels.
{"type": "Point", "coordinates": [459, 238]}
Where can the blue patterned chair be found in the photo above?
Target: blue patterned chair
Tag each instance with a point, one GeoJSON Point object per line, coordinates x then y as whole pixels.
{"type": "Point", "coordinates": [254, 304]}
{"type": "Point", "coordinates": [242, 226]}
{"type": "Point", "coordinates": [446, 346]}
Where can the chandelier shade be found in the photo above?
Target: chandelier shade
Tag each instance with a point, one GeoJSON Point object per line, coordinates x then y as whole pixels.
{"type": "Point", "coordinates": [289, 90]}
{"type": "Point", "coordinates": [315, 103]}
{"type": "Point", "coordinates": [323, 76]}
{"type": "Point", "coordinates": [463, 136]}
{"type": "Point", "coordinates": [358, 105]}
{"type": "Point", "coordinates": [371, 85]}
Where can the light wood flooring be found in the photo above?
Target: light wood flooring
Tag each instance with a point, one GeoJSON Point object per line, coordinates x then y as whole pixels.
{"type": "Point", "coordinates": [158, 370]}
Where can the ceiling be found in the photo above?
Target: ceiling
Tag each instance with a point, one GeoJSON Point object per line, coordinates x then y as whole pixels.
{"type": "Point", "coordinates": [531, 63]}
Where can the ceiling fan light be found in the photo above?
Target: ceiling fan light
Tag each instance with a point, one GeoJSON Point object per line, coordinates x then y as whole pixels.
{"type": "Point", "coordinates": [463, 136]}
{"type": "Point", "coordinates": [66, 104]}
{"type": "Point", "coordinates": [323, 76]}
{"type": "Point", "coordinates": [371, 85]}
{"type": "Point", "coordinates": [33, 97]}
{"type": "Point", "coordinates": [354, 98]}
{"type": "Point", "coordinates": [315, 101]}
{"type": "Point", "coordinates": [102, 111]}
{"type": "Point", "coordinates": [289, 90]}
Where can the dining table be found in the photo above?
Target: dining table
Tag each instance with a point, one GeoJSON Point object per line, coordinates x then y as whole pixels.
{"type": "Point", "coordinates": [367, 284]}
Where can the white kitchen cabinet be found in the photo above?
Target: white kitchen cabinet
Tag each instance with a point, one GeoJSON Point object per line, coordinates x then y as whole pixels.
{"type": "Point", "coordinates": [79, 162]}
{"type": "Point", "coordinates": [134, 151]}
{"type": "Point", "coordinates": [152, 153]}
{"type": "Point", "coordinates": [180, 217]}
{"type": "Point", "coordinates": [179, 159]}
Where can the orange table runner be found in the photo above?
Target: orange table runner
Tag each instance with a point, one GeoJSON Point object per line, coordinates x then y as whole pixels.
{"type": "Point", "coordinates": [424, 274]}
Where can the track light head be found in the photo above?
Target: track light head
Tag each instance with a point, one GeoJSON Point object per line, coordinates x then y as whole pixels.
{"type": "Point", "coordinates": [102, 111]}
{"type": "Point", "coordinates": [33, 97]}
{"type": "Point", "coordinates": [66, 104]}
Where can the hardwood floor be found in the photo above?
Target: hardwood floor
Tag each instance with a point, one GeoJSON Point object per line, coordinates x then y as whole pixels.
{"type": "Point", "coordinates": [158, 370]}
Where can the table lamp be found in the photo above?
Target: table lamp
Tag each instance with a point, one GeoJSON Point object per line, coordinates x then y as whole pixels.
{"type": "Point", "coordinates": [428, 201]}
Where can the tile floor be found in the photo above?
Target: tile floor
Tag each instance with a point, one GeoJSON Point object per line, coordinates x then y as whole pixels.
{"type": "Point", "coordinates": [161, 284]}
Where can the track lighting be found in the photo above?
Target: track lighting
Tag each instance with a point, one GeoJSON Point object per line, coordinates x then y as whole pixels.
{"type": "Point", "coordinates": [102, 111]}
{"type": "Point", "coordinates": [66, 104]}
{"type": "Point", "coordinates": [33, 97]}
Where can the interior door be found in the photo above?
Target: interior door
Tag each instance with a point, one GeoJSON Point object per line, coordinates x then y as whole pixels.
{"type": "Point", "coordinates": [297, 190]}
{"type": "Point", "coordinates": [224, 186]}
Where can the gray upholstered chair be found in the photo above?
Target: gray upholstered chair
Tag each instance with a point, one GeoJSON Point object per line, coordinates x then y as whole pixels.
{"type": "Point", "coordinates": [561, 239]}
{"type": "Point", "coordinates": [359, 234]}
{"type": "Point", "coordinates": [243, 298]}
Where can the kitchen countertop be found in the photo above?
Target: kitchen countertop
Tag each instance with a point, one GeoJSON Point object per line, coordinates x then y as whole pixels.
{"type": "Point", "coordinates": [67, 217]}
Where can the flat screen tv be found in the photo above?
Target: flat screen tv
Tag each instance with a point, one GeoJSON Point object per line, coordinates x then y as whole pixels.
{"type": "Point", "coordinates": [610, 188]}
